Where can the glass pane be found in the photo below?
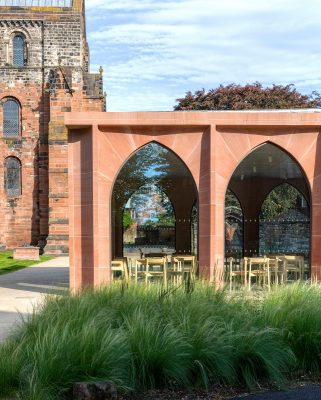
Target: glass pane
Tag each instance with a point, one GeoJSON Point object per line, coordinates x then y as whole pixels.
{"type": "Point", "coordinates": [275, 199]}
{"type": "Point", "coordinates": [152, 205]}
{"type": "Point", "coordinates": [18, 51]}
{"type": "Point", "coordinates": [233, 226]}
{"type": "Point", "coordinates": [285, 222]}
{"type": "Point", "coordinates": [194, 228]}
{"type": "Point", "coordinates": [11, 118]}
{"type": "Point", "coordinates": [149, 220]}
{"type": "Point", "coordinates": [12, 177]}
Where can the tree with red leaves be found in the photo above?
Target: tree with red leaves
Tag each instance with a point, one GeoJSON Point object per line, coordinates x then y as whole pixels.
{"type": "Point", "coordinates": [249, 97]}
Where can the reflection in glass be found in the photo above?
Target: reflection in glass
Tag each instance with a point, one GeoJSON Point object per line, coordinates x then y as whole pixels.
{"type": "Point", "coordinates": [233, 226]}
{"type": "Point", "coordinates": [149, 219]}
{"type": "Point", "coordinates": [275, 199]}
{"type": "Point", "coordinates": [285, 222]}
{"type": "Point", "coordinates": [152, 203]}
{"type": "Point", "coordinates": [194, 228]}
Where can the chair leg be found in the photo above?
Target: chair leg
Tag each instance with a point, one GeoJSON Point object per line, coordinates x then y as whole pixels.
{"type": "Point", "coordinates": [165, 274]}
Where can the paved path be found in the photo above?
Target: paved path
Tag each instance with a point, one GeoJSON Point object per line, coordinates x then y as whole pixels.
{"type": "Point", "coordinates": [21, 290]}
{"type": "Point", "coordinates": [309, 392]}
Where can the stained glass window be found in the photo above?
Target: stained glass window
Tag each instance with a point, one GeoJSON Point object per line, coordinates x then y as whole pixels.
{"type": "Point", "coordinates": [12, 176]}
{"type": "Point", "coordinates": [11, 124]}
{"type": "Point", "coordinates": [18, 51]}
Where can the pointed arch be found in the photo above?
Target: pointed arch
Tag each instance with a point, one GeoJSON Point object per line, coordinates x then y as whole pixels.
{"type": "Point", "coordinates": [154, 163]}
{"type": "Point", "coordinates": [306, 195]}
{"type": "Point", "coordinates": [264, 168]}
{"type": "Point", "coordinates": [276, 145]}
{"type": "Point", "coordinates": [137, 150]}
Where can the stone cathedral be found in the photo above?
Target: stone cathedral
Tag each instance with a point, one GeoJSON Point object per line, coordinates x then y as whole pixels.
{"type": "Point", "coordinates": [44, 72]}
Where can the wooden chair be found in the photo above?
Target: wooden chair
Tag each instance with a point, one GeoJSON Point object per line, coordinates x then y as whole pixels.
{"type": "Point", "coordinates": [149, 255]}
{"type": "Point", "coordinates": [175, 272]}
{"type": "Point", "coordinates": [276, 268]}
{"type": "Point", "coordinates": [119, 265]}
{"type": "Point", "coordinates": [140, 269]}
{"type": "Point", "coordinates": [182, 267]}
{"type": "Point", "coordinates": [293, 265]}
{"type": "Point", "coordinates": [237, 271]}
{"type": "Point", "coordinates": [258, 268]}
{"type": "Point", "coordinates": [156, 267]}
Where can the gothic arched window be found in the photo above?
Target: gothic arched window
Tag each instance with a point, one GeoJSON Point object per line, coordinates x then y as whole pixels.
{"type": "Point", "coordinates": [19, 56]}
{"type": "Point", "coordinates": [12, 176]}
{"type": "Point", "coordinates": [11, 118]}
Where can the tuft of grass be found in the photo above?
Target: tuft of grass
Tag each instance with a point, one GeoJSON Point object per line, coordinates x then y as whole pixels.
{"type": "Point", "coordinates": [295, 311]}
{"type": "Point", "coordinates": [144, 337]}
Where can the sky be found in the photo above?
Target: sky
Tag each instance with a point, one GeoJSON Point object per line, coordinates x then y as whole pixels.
{"type": "Point", "coordinates": [154, 51]}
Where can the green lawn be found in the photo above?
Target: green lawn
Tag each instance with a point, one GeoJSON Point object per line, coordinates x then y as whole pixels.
{"type": "Point", "coordinates": [8, 264]}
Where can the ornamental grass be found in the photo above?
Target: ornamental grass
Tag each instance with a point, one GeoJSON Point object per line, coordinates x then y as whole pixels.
{"type": "Point", "coordinates": [146, 337]}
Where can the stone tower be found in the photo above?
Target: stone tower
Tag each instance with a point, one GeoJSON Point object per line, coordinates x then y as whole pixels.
{"type": "Point", "coordinates": [44, 72]}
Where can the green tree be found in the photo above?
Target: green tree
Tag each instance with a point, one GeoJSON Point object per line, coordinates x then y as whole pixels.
{"type": "Point", "coordinates": [127, 220]}
{"type": "Point", "coordinates": [149, 165]}
{"type": "Point", "coordinates": [279, 201]}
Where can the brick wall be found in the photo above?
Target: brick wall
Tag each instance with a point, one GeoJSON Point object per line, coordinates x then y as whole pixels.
{"type": "Point", "coordinates": [54, 81]}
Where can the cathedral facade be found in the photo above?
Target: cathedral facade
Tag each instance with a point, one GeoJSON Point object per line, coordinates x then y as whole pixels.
{"type": "Point", "coordinates": [44, 72]}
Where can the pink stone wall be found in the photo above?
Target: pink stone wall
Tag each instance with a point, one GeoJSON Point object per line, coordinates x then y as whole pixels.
{"type": "Point", "coordinates": [211, 144]}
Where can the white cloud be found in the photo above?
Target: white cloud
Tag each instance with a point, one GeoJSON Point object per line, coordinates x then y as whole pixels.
{"type": "Point", "coordinates": [153, 52]}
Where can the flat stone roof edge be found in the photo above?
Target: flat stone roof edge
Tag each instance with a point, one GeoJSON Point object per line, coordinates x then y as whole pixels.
{"type": "Point", "coordinates": [310, 110]}
{"type": "Point", "coordinates": [196, 118]}
{"type": "Point", "coordinates": [294, 110]}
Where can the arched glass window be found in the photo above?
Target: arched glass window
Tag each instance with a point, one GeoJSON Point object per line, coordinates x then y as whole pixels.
{"type": "Point", "coordinates": [154, 186]}
{"type": "Point", "coordinates": [11, 118]}
{"type": "Point", "coordinates": [12, 176]}
{"type": "Point", "coordinates": [19, 51]}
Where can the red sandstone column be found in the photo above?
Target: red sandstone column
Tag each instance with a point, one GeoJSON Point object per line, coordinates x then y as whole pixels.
{"type": "Point", "coordinates": [206, 223]}
{"type": "Point", "coordinates": [81, 208]}
{"type": "Point", "coordinates": [102, 188]}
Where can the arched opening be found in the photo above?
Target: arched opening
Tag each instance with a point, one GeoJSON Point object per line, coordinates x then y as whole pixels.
{"type": "Point", "coordinates": [274, 195]}
{"type": "Point", "coordinates": [153, 205]}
